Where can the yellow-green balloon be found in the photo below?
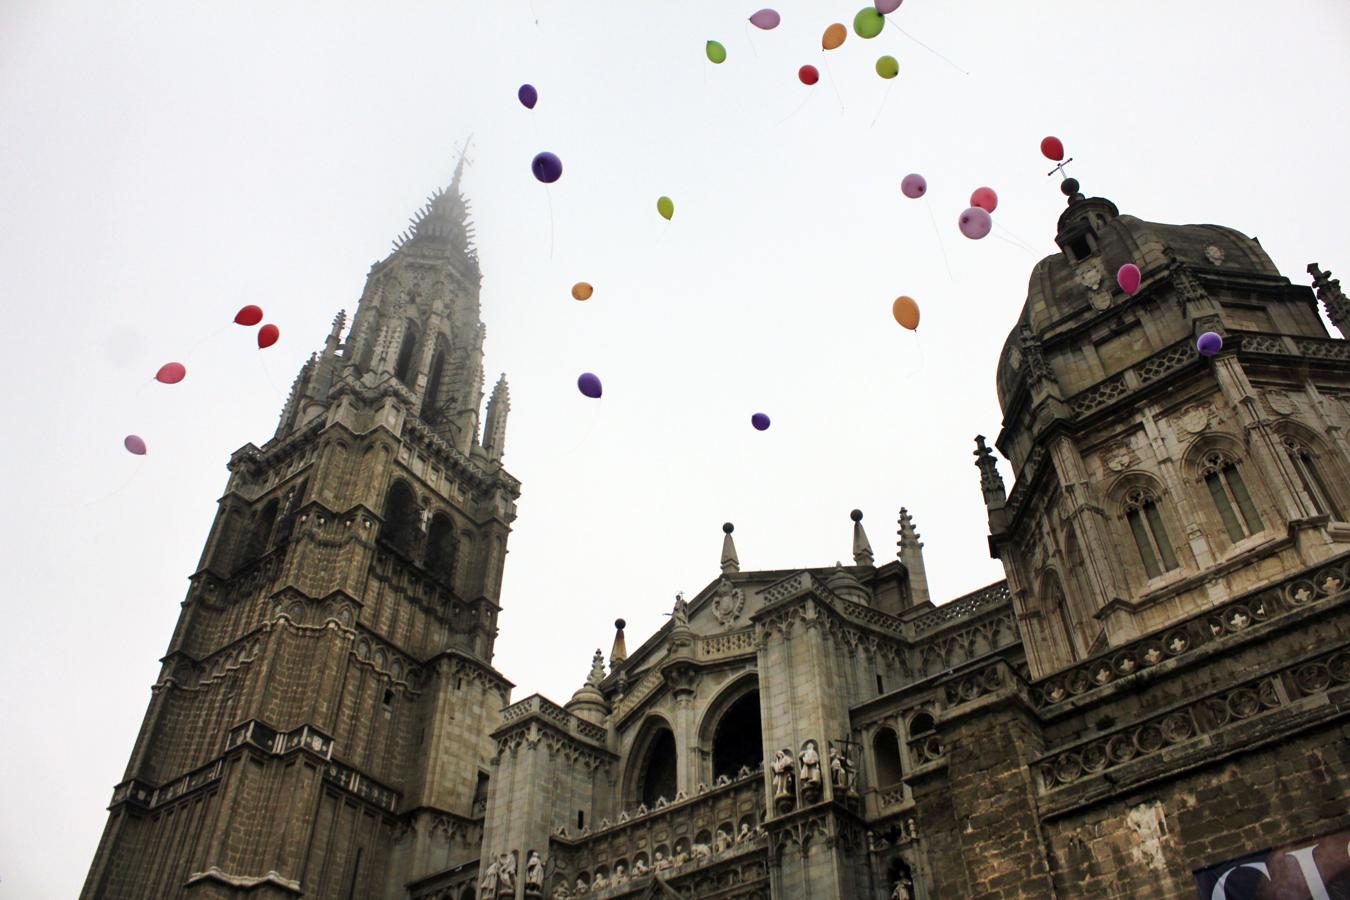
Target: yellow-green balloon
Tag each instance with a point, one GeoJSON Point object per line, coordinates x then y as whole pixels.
{"type": "Point", "coordinates": [868, 22]}
{"type": "Point", "coordinates": [666, 207]}
{"type": "Point", "coordinates": [887, 67]}
{"type": "Point", "coordinates": [716, 52]}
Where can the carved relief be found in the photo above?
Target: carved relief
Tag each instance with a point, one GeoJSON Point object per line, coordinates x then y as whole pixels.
{"type": "Point", "coordinates": [728, 603]}
{"type": "Point", "coordinates": [1214, 254]}
{"type": "Point", "coordinates": [1119, 457]}
{"type": "Point", "coordinates": [1279, 402]}
{"type": "Point", "coordinates": [1091, 274]}
{"type": "Point", "coordinates": [1196, 418]}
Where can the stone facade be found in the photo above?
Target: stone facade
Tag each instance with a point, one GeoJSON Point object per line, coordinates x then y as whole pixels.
{"type": "Point", "coordinates": [1157, 696]}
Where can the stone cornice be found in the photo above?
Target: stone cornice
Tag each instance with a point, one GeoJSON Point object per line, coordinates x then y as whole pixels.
{"type": "Point", "coordinates": [537, 709]}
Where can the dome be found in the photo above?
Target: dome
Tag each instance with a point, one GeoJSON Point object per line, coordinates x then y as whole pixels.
{"type": "Point", "coordinates": [1079, 283]}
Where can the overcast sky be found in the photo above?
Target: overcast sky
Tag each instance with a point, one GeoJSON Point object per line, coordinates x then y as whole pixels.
{"type": "Point", "coordinates": [162, 164]}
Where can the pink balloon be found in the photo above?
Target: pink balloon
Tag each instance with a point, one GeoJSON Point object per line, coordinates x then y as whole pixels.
{"type": "Point", "coordinates": [134, 444]}
{"type": "Point", "coordinates": [766, 19]}
{"type": "Point", "coordinates": [914, 186]}
{"type": "Point", "coordinates": [171, 373]}
{"type": "Point", "coordinates": [985, 199]}
{"type": "Point", "coordinates": [975, 223]}
{"type": "Point", "coordinates": [886, 7]}
{"type": "Point", "coordinates": [1128, 278]}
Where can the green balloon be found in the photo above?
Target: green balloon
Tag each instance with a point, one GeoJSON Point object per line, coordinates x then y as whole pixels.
{"type": "Point", "coordinates": [868, 22]}
{"type": "Point", "coordinates": [666, 207]}
{"type": "Point", "coordinates": [716, 52]}
{"type": "Point", "coordinates": [887, 67]}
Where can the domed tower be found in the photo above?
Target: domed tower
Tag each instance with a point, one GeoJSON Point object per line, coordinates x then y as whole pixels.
{"type": "Point", "coordinates": [1152, 481]}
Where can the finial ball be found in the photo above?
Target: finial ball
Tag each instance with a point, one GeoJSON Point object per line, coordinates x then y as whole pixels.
{"type": "Point", "coordinates": [620, 624]}
{"type": "Point", "coordinates": [728, 528]}
{"type": "Point", "coordinates": [856, 515]}
{"type": "Point", "coordinates": [1069, 186]}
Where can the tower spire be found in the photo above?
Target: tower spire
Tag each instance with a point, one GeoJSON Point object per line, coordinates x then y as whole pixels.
{"type": "Point", "coordinates": [911, 556]}
{"type": "Point", "coordinates": [862, 548]}
{"type": "Point", "coordinates": [730, 561]}
{"type": "Point", "coordinates": [494, 428]}
{"type": "Point", "coordinates": [1333, 299]}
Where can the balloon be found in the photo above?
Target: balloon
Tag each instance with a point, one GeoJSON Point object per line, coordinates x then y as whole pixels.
{"type": "Point", "coordinates": [975, 223]}
{"type": "Point", "coordinates": [582, 291]}
{"type": "Point", "coordinates": [589, 385]}
{"type": "Point", "coordinates": [1209, 344]}
{"type": "Point", "coordinates": [249, 315]}
{"type": "Point", "coordinates": [666, 207]}
{"type": "Point", "coordinates": [1052, 148]}
{"type": "Point", "coordinates": [767, 19]}
{"type": "Point", "coordinates": [906, 312]}
{"type": "Point", "coordinates": [834, 36]}
{"type": "Point", "coordinates": [887, 67]}
{"type": "Point", "coordinates": [528, 96]}
{"type": "Point", "coordinates": [1128, 277]}
{"type": "Point", "coordinates": [760, 421]}
{"type": "Point", "coordinates": [171, 373]}
{"type": "Point", "coordinates": [808, 74]}
{"type": "Point", "coordinates": [134, 444]}
{"type": "Point", "coordinates": [868, 22]}
{"type": "Point", "coordinates": [914, 186]}
{"type": "Point", "coordinates": [885, 7]}
{"type": "Point", "coordinates": [716, 52]}
{"type": "Point", "coordinates": [985, 199]}
{"type": "Point", "coordinates": [267, 336]}
{"type": "Point", "coordinates": [546, 167]}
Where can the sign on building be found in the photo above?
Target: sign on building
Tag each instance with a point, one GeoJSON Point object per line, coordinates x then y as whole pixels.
{"type": "Point", "coordinates": [1315, 869]}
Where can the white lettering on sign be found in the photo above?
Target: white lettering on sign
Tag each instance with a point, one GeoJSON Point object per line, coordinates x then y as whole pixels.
{"type": "Point", "coordinates": [1221, 888]}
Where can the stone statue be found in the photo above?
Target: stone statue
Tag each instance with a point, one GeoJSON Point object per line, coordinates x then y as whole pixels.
{"type": "Point", "coordinates": [841, 771]}
{"type": "Point", "coordinates": [506, 873]}
{"type": "Point", "coordinates": [640, 868]}
{"type": "Point", "coordinates": [581, 889]}
{"type": "Point", "coordinates": [534, 874]}
{"type": "Point", "coordinates": [810, 761]}
{"type": "Point", "coordinates": [911, 829]}
{"type": "Point", "coordinates": [745, 834]}
{"type": "Point", "coordinates": [681, 612]}
{"type": "Point", "coordinates": [561, 892]}
{"type": "Point", "coordinates": [721, 841]}
{"type": "Point", "coordinates": [903, 889]}
{"type": "Point", "coordinates": [487, 888]}
{"type": "Point", "coordinates": [600, 882]}
{"type": "Point", "coordinates": [659, 862]}
{"type": "Point", "coordinates": [701, 851]}
{"type": "Point", "coordinates": [620, 876]}
{"type": "Point", "coordinates": [782, 773]}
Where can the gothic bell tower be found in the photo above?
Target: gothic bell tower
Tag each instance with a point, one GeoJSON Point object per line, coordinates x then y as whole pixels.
{"type": "Point", "coordinates": [319, 726]}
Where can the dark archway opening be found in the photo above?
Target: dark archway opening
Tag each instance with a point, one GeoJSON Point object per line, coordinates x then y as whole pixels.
{"type": "Point", "coordinates": [400, 518]}
{"type": "Point", "coordinates": [441, 549]}
{"type": "Point", "coordinates": [659, 771]}
{"type": "Point", "coordinates": [403, 365]}
{"type": "Point", "coordinates": [737, 741]}
{"type": "Point", "coordinates": [886, 750]}
{"type": "Point", "coordinates": [433, 395]}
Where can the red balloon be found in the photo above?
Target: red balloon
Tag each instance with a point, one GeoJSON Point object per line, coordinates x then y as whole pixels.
{"type": "Point", "coordinates": [985, 199]}
{"type": "Point", "coordinates": [171, 373]}
{"type": "Point", "coordinates": [267, 336]}
{"type": "Point", "coordinates": [249, 315]}
{"type": "Point", "coordinates": [1052, 148]}
{"type": "Point", "coordinates": [808, 74]}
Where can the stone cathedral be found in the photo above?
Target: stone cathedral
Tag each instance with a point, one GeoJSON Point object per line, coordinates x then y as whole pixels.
{"type": "Point", "coordinates": [1155, 703]}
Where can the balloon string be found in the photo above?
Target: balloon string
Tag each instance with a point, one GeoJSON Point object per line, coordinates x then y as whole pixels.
{"type": "Point", "coordinates": [595, 416]}
{"type": "Point", "coordinates": [826, 61]}
{"type": "Point", "coordinates": [548, 195]}
{"type": "Point", "coordinates": [117, 490]}
{"type": "Point", "coordinates": [884, 98]}
{"type": "Point", "coordinates": [805, 100]}
{"type": "Point", "coordinates": [262, 361]}
{"type": "Point", "coordinates": [1019, 238]}
{"type": "Point", "coordinates": [929, 49]}
{"type": "Point", "coordinates": [749, 39]}
{"type": "Point", "coordinates": [938, 234]}
{"type": "Point", "coordinates": [1013, 243]}
{"type": "Point", "coordinates": [918, 342]}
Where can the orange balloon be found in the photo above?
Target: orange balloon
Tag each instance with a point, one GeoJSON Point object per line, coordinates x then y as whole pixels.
{"type": "Point", "coordinates": [834, 36]}
{"type": "Point", "coordinates": [906, 312]}
{"type": "Point", "coordinates": [582, 291]}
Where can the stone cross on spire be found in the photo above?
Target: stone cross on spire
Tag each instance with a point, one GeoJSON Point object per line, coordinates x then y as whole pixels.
{"type": "Point", "coordinates": [1333, 300]}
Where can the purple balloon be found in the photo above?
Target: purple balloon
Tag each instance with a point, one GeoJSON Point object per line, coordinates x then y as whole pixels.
{"type": "Point", "coordinates": [528, 96]}
{"type": "Point", "coordinates": [766, 19]}
{"type": "Point", "coordinates": [1209, 344]}
{"type": "Point", "coordinates": [760, 421]}
{"type": "Point", "coordinates": [546, 167]}
{"type": "Point", "coordinates": [589, 385]}
{"type": "Point", "coordinates": [975, 223]}
{"type": "Point", "coordinates": [134, 444]}
{"type": "Point", "coordinates": [886, 7]}
{"type": "Point", "coordinates": [914, 186]}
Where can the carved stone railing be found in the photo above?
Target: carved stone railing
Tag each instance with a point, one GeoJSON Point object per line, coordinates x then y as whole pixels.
{"type": "Point", "coordinates": [729, 643]}
{"type": "Point", "coordinates": [962, 608]}
{"type": "Point", "coordinates": [541, 707]}
{"type": "Point", "coordinates": [925, 748]}
{"type": "Point", "coordinates": [793, 584]}
{"type": "Point", "coordinates": [1290, 345]}
{"type": "Point", "coordinates": [1192, 721]}
{"type": "Point", "coordinates": [1186, 636]}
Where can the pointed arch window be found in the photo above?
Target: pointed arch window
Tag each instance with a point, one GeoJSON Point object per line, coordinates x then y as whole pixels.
{"type": "Point", "coordinates": [1310, 476]}
{"type": "Point", "coordinates": [403, 366]}
{"type": "Point", "coordinates": [400, 518]}
{"type": "Point", "coordinates": [1230, 495]}
{"type": "Point", "coordinates": [434, 377]}
{"type": "Point", "coordinates": [886, 753]}
{"type": "Point", "coordinates": [442, 548]}
{"type": "Point", "coordinates": [1150, 535]}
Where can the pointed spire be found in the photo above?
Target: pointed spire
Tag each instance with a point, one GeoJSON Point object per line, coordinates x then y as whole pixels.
{"type": "Point", "coordinates": [862, 548]}
{"type": "Point", "coordinates": [597, 668]}
{"type": "Point", "coordinates": [619, 652]}
{"type": "Point", "coordinates": [730, 561]}
{"type": "Point", "coordinates": [995, 495]}
{"type": "Point", "coordinates": [442, 226]}
{"type": "Point", "coordinates": [911, 556]}
{"type": "Point", "coordinates": [494, 428]}
{"type": "Point", "coordinates": [1333, 300]}
{"type": "Point", "coordinates": [330, 346]}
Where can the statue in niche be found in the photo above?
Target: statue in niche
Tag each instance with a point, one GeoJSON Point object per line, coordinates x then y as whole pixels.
{"type": "Point", "coordinates": [620, 876]}
{"type": "Point", "coordinates": [841, 771]}
{"type": "Point", "coordinates": [487, 888]}
{"type": "Point", "coordinates": [701, 851]}
{"type": "Point", "coordinates": [640, 869]}
{"type": "Point", "coordinates": [506, 873]}
{"type": "Point", "coordinates": [561, 892]}
{"type": "Point", "coordinates": [810, 763]}
{"type": "Point", "coordinates": [534, 874]}
{"type": "Point", "coordinates": [581, 889]}
{"type": "Point", "coordinates": [659, 862]}
{"type": "Point", "coordinates": [745, 834]}
{"type": "Point", "coordinates": [600, 882]}
{"type": "Point", "coordinates": [904, 889]}
{"type": "Point", "coordinates": [722, 841]}
{"type": "Point", "coordinates": [782, 773]}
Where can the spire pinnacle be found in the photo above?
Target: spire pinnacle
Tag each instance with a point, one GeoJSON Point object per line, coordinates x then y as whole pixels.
{"type": "Point", "coordinates": [862, 548]}
{"type": "Point", "coordinates": [494, 427]}
{"type": "Point", "coordinates": [619, 652]}
{"type": "Point", "coordinates": [911, 556]}
{"type": "Point", "coordinates": [1333, 299]}
{"type": "Point", "coordinates": [597, 674]}
{"type": "Point", "coordinates": [442, 227]}
{"type": "Point", "coordinates": [730, 561]}
{"type": "Point", "coordinates": [990, 481]}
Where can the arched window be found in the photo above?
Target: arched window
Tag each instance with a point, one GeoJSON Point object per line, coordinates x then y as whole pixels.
{"type": "Point", "coordinates": [1057, 614]}
{"type": "Point", "coordinates": [886, 753]}
{"type": "Point", "coordinates": [921, 723]}
{"type": "Point", "coordinates": [1230, 496]}
{"type": "Point", "coordinates": [400, 518]}
{"type": "Point", "coordinates": [403, 366]}
{"type": "Point", "coordinates": [657, 777]}
{"type": "Point", "coordinates": [737, 739]}
{"type": "Point", "coordinates": [1305, 463]}
{"type": "Point", "coordinates": [434, 376]}
{"type": "Point", "coordinates": [1150, 537]}
{"type": "Point", "coordinates": [441, 548]}
{"type": "Point", "coordinates": [295, 498]}
{"type": "Point", "coordinates": [261, 532]}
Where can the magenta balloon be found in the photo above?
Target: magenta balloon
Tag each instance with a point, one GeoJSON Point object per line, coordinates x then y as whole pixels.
{"type": "Point", "coordinates": [134, 444]}
{"type": "Point", "coordinates": [766, 19]}
{"type": "Point", "coordinates": [975, 223]}
{"type": "Point", "coordinates": [589, 385]}
{"type": "Point", "coordinates": [914, 186]}
{"type": "Point", "coordinates": [985, 199]}
{"type": "Point", "coordinates": [1128, 277]}
{"type": "Point", "coordinates": [886, 7]}
{"type": "Point", "coordinates": [1209, 344]}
